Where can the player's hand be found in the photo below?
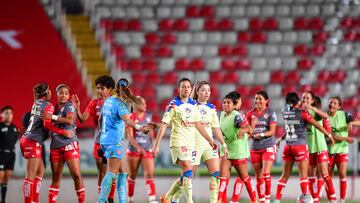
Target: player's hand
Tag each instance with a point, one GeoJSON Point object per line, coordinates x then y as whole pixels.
{"type": "Point", "coordinates": [145, 129]}
{"type": "Point", "coordinates": [331, 140]}
{"type": "Point", "coordinates": [155, 151]}
{"type": "Point", "coordinates": [225, 151]}
{"type": "Point", "coordinates": [68, 134]}
{"type": "Point", "coordinates": [349, 127]}
{"type": "Point", "coordinates": [141, 151]}
{"type": "Point", "coordinates": [240, 134]}
{"type": "Point", "coordinates": [45, 116]}
{"type": "Point", "coordinates": [213, 144]}
{"type": "Point", "coordinates": [153, 125]}
{"type": "Point", "coordinates": [350, 140]}
{"type": "Point", "coordinates": [75, 101]}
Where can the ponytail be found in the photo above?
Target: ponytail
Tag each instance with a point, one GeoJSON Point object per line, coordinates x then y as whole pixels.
{"type": "Point", "coordinates": [123, 92]}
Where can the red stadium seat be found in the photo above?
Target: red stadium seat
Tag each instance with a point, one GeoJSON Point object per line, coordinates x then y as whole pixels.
{"type": "Point", "coordinates": [153, 78]}
{"type": "Point", "coordinates": [193, 11]}
{"type": "Point", "coordinates": [288, 88]}
{"type": "Point", "coordinates": [217, 77]}
{"type": "Point", "coordinates": [320, 89]}
{"type": "Point", "coordinates": [301, 50]}
{"type": "Point", "coordinates": [180, 25]}
{"type": "Point", "coordinates": [318, 50]}
{"type": "Point", "coordinates": [207, 11]}
{"type": "Point", "coordinates": [197, 64]}
{"type": "Point", "coordinates": [165, 25]}
{"type": "Point", "coordinates": [304, 88]}
{"type": "Point", "coordinates": [164, 52]}
{"type": "Point", "coordinates": [121, 64]}
{"type": "Point", "coordinates": [211, 25]}
{"type": "Point", "coordinates": [152, 106]}
{"type": "Point", "coordinates": [152, 38]}
{"type": "Point", "coordinates": [139, 78]}
{"type": "Point", "coordinates": [255, 89]}
{"type": "Point", "coordinates": [226, 24]}
{"type": "Point", "coordinates": [228, 64]}
{"type": "Point", "coordinates": [300, 23]}
{"type": "Point", "coordinates": [320, 36]}
{"type": "Point", "coordinates": [225, 50]}
{"type": "Point", "coordinates": [182, 64]}
{"type": "Point", "coordinates": [134, 25]}
{"type": "Point", "coordinates": [168, 38]}
{"type": "Point", "coordinates": [255, 24]}
{"type": "Point", "coordinates": [259, 37]}
{"type": "Point", "coordinates": [350, 36]}
{"type": "Point", "coordinates": [164, 103]}
{"type": "Point", "coordinates": [338, 76]}
{"type": "Point", "coordinates": [246, 104]}
{"type": "Point", "coordinates": [305, 64]}
{"type": "Point", "coordinates": [118, 51]}
{"type": "Point", "coordinates": [293, 77]}
{"type": "Point", "coordinates": [147, 51]}
{"type": "Point", "coordinates": [217, 102]}
{"type": "Point", "coordinates": [243, 64]}
{"type": "Point", "coordinates": [149, 92]}
{"type": "Point", "coordinates": [277, 77]}
{"type": "Point", "coordinates": [120, 24]}
{"type": "Point", "coordinates": [107, 24]}
{"type": "Point", "coordinates": [150, 65]}
{"type": "Point", "coordinates": [323, 76]}
{"type": "Point", "coordinates": [244, 90]}
{"type": "Point", "coordinates": [316, 23]}
{"type": "Point", "coordinates": [346, 22]}
{"type": "Point", "coordinates": [109, 37]}
{"type": "Point", "coordinates": [135, 65]}
{"type": "Point", "coordinates": [240, 50]}
{"type": "Point", "coordinates": [170, 78]}
{"type": "Point", "coordinates": [350, 103]}
{"type": "Point", "coordinates": [244, 37]}
{"type": "Point", "coordinates": [214, 92]}
{"type": "Point", "coordinates": [271, 24]}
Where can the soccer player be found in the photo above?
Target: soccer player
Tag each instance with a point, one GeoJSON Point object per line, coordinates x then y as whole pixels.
{"type": "Point", "coordinates": [341, 124]}
{"type": "Point", "coordinates": [8, 138]}
{"type": "Point", "coordinates": [140, 152]}
{"type": "Point", "coordinates": [33, 139]}
{"type": "Point", "coordinates": [114, 116]}
{"type": "Point", "coordinates": [262, 154]}
{"type": "Point", "coordinates": [64, 149]}
{"type": "Point", "coordinates": [235, 129]}
{"type": "Point", "coordinates": [104, 85]}
{"type": "Point", "coordinates": [319, 156]}
{"type": "Point", "coordinates": [184, 115]}
{"type": "Point", "coordinates": [296, 120]}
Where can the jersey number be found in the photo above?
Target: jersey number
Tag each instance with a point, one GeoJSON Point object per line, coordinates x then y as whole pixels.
{"type": "Point", "coordinates": [290, 132]}
{"type": "Point", "coordinates": [103, 124]}
{"type": "Point", "coordinates": [31, 123]}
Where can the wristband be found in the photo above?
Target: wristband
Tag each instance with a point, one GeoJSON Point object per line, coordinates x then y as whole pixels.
{"type": "Point", "coordinates": [262, 134]}
{"type": "Point", "coordinates": [138, 127]}
{"type": "Point", "coordinates": [54, 117]}
{"type": "Point", "coordinates": [224, 145]}
{"type": "Point", "coordinates": [329, 135]}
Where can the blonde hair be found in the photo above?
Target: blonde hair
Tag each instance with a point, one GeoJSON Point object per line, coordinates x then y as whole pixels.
{"type": "Point", "coordinates": [123, 92]}
{"type": "Point", "coordinates": [196, 88]}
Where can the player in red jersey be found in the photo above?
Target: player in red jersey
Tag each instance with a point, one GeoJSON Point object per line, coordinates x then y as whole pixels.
{"type": "Point", "coordinates": [33, 139]}
{"type": "Point", "coordinates": [104, 85]}
{"type": "Point", "coordinates": [140, 152]}
{"type": "Point", "coordinates": [64, 149]}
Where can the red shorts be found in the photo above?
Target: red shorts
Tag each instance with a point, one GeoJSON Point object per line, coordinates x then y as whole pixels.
{"type": "Point", "coordinates": [318, 157]}
{"type": "Point", "coordinates": [148, 154]}
{"type": "Point", "coordinates": [97, 153]}
{"type": "Point", "coordinates": [30, 148]}
{"type": "Point", "coordinates": [68, 152]}
{"type": "Point", "coordinates": [338, 158]}
{"type": "Point", "coordinates": [236, 162]}
{"type": "Point", "coordinates": [296, 153]}
{"type": "Point", "coordinates": [267, 154]}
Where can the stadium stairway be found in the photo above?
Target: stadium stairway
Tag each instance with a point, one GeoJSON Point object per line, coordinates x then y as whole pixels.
{"type": "Point", "coordinates": [85, 48]}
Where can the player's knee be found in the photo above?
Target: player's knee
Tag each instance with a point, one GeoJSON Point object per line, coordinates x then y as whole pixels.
{"type": "Point", "coordinates": [76, 177]}
{"type": "Point", "coordinates": [188, 174]}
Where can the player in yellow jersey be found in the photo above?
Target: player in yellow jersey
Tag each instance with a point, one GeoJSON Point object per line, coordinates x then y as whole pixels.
{"type": "Point", "coordinates": [185, 118]}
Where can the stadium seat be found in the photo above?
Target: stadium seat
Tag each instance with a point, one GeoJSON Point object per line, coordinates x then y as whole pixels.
{"type": "Point", "coordinates": [211, 24]}
{"type": "Point", "coordinates": [197, 64]}
{"type": "Point", "coordinates": [243, 64]}
{"type": "Point", "coordinates": [152, 38]}
{"type": "Point", "coordinates": [243, 90]}
{"type": "Point", "coordinates": [193, 11]}
{"type": "Point", "coordinates": [153, 78]}
{"type": "Point", "coordinates": [135, 65]}
{"type": "Point", "coordinates": [271, 24]}
{"type": "Point", "coordinates": [168, 38]}
{"type": "Point", "coordinates": [277, 77]}
{"type": "Point", "coordinates": [150, 65]}
{"type": "Point", "coordinates": [293, 77]}
{"type": "Point", "coordinates": [165, 25]}
{"type": "Point", "coordinates": [147, 51]}
{"type": "Point", "coordinates": [207, 11]}
{"type": "Point", "coordinates": [134, 25]}
{"type": "Point", "coordinates": [301, 50]}
{"type": "Point", "coordinates": [180, 25]}
{"type": "Point", "coordinates": [240, 50]}
{"type": "Point", "coordinates": [231, 78]}
{"type": "Point", "coordinates": [182, 64]}
{"type": "Point", "coordinates": [228, 64]}
{"type": "Point", "coordinates": [255, 24]}
{"type": "Point", "coordinates": [317, 49]}
{"type": "Point", "coordinates": [139, 78]}
{"type": "Point", "coordinates": [300, 23]}
{"type": "Point", "coordinates": [305, 64]}
{"type": "Point", "coordinates": [164, 52]}
{"type": "Point", "coordinates": [225, 24]}
{"type": "Point", "coordinates": [170, 78]}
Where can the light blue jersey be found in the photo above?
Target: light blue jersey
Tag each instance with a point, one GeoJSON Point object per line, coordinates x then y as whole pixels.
{"type": "Point", "coordinates": [113, 127]}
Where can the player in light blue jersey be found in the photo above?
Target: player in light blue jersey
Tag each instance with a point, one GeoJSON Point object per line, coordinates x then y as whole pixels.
{"type": "Point", "coordinates": [114, 116]}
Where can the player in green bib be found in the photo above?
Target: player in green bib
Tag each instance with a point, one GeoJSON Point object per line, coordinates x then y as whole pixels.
{"type": "Point", "coordinates": [236, 130]}
{"type": "Point", "coordinates": [184, 115]}
{"type": "Point", "coordinates": [318, 153]}
{"type": "Point", "coordinates": [341, 123]}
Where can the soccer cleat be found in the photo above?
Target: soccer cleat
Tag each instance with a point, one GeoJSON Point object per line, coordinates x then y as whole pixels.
{"type": "Point", "coordinates": [110, 200]}
{"type": "Point", "coordinates": [163, 199]}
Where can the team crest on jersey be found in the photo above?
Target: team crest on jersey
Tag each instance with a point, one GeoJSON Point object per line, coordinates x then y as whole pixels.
{"type": "Point", "coordinates": [266, 116]}
{"type": "Point", "coordinates": [203, 112]}
{"type": "Point", "coordinates": [187, 110]}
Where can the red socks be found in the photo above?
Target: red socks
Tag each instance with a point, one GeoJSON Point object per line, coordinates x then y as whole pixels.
{"type": "Point", "coordinates": [151, 189]}
{"type": "Point", "coordinates": [53, 193]}
{"type": "Point", "coordinates": [250, 189]}
{"type": "Point", "coordinates": [36, 189]}
{"type": "Point", "coordinates": [223, 189]}
{"type": "Point", "coordinates": [313, 188]}
{"type": "Point", "coordinates": [113, 189]}
{"type": "Point", "coordinates": [280, 188]}
{"type": "Point", "coordinates": [267, 179]}
{"type": "Point", "coordinates": [320, 186]}
{"type": "Point", "coordinates": [81, 194]}
{"type": "Point", "coordinates": [330, 187]}
{"type": "Point", "coordinates": [28, 187]}
{"type": "Point", "coordinates": [343, 186]}
{"type": "Point", "coordinates": [131, 188]}
{"type": "Point", "coordinates": [237, 190]}
{"type": "Point", "coordinates": [304, 185]}
{"type": "Point", "coordinates": [260, 187]}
